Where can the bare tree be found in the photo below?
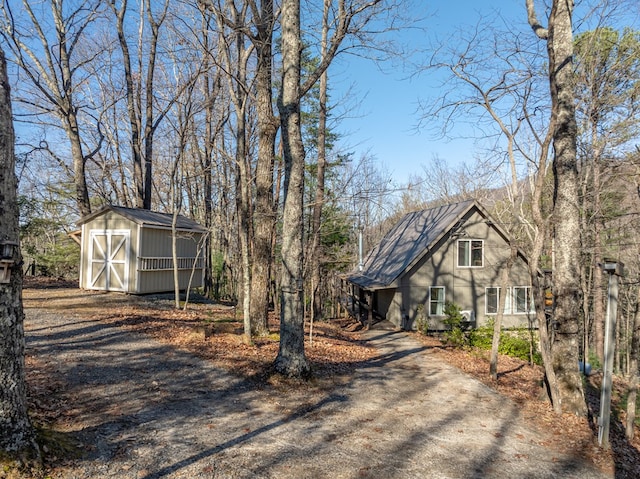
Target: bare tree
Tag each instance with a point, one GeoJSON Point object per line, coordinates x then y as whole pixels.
{"type": "Point", "coordinates": [291, 360]}
{"type": "Point", "coordinates": [17, 437]}
{"type": "Point", "coordinates": [566, 233]}
{"type": "Point", "coordinates": [52, 53]}
{"type": "Point", "coordinates": [349, 19]}
{"type": "Point", "coordinates": [141, 95]}
{"type": "Point", "coordinates": [258, 218]}
{"type": "Point", "coordinates": [265, 217]}
{"type": "Point", "coordinates": [493, 83]}
{"type": "Point", "coordinates": [314, 253]}
{"type": "Point", "coordinates": [607, 68]}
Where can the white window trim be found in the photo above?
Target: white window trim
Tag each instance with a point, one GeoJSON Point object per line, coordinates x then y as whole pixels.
{"type": "Point", "coordinates": [469, 241]}
{"type": "Point", "coordinates": [531, 308]}
{"type": "Point", "coordinates": [507, 302]}
{"type": "Point", "coordinates": [444, 299]}
{"type": "Point", "coordinates": [486, 298]}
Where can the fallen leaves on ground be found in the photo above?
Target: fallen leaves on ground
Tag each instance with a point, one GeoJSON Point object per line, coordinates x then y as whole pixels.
{"type": "Point", "coordinates": [523, 383]}
{"type": "Point", "coordinates": [214, 332]}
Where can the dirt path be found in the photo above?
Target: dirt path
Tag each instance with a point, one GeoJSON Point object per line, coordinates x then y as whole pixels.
{"type": "Point", "coordinates": [142, 409]}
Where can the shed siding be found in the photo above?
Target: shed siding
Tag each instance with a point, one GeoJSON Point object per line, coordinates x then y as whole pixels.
{"type": "Point", "coordinates": [158, 243]}
{"type": "Point", "coordinates": [162, 281]}
{"type": "Point", "coordinates": [149, 247]}
{"type": "Point", "coordinates": [155, 261]}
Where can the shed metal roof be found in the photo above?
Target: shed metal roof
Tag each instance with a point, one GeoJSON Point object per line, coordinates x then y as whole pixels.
{"type": "Point", "coordinates": [151, 219]}
{"type": "Point", "coordinates": [406, 242]}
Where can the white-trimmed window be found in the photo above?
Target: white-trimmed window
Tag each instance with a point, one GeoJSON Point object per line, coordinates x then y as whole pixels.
{"type": "Point", "coordinates": [470, 253]}
{"type": "Point", "coordinates": [492, 300]}
{"type": "Point", "coordinates": [436, 301]}
{"type": "Point", "coordinates": [522, 300]}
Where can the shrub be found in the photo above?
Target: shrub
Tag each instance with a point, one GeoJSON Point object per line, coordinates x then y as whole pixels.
{"type": "Point", "coordinates": [422, 324]}
{"type": "Point", "coordinates": [515, 343]}
{"type": "Point", "coordinates": [482, 336]}
{"type": "Point", "coordinates": [455, 335]}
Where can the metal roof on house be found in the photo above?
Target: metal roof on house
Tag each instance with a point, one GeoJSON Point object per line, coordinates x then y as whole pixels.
{"type": "Point", "coordinates": [152, 219]}
{"type": "Point", "coordinates": [406, 242]}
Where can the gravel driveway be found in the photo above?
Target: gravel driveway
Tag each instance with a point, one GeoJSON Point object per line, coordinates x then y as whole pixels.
{"type": "Point", "coordinates": [145, 410]}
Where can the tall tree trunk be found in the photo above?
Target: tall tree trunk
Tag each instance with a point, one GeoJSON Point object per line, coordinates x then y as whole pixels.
{"type": "Point", "coordinates": [17, 438]}
{"type": "Point", "coordinates": [211, 86]}
{"type": "Point", "coordinates": [70, 120]}
{"type": "Point", "coordinates": [291, 360]}
{"type": "Point", "coordinates": [264, 218]}
{"type": "Point", "coordinates": [315, 255]}
{"type": "Point", "coordinates": [142, 157]}
{"type": "Point", "coordinates": [132, 106]}
{"type": "Point", "coordinates": [497, 326]}
{"type": "Point", "coordinates": [243, 190]}
{"type": "Point", "coordinates": [151, 122]}
{"type": "Point", "coordinates": [566, 211]}
{"type": "Point", "coordinates": [242, 205]}
{"type": "Point", "coordinates": [598, 279]}
{"type": "Point", "coordinates": [207, 171]}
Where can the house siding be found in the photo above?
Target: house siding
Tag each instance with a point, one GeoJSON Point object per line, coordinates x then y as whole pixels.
{"type": "Point", "coordinates": [465, 286]}
{"type": "Point", "coordinates": [385, 300]}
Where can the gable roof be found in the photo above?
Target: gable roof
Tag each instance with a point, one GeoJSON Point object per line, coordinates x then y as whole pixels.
{"type": "Point", "coordinates": [407, 242]}
{"type": "Point", "coordinates": [151, 219]}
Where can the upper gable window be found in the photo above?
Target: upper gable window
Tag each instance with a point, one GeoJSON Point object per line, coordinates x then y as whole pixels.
{"type": "Point", "coordinates": [470, 253]}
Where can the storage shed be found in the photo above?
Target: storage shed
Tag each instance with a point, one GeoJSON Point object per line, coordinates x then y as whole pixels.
{"type": "Point", "coordinates": [130, 250]}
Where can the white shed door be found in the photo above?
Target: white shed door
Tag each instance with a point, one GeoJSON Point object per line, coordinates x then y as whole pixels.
{"type": "Point", "coordinates": [108, 268]}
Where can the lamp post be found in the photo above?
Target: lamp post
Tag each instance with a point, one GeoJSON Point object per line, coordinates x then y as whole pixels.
{"type": "Point", "coordinates": [614, 269]}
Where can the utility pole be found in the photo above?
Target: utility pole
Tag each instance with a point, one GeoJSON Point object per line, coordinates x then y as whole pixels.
{"type": "Point", "coordinates": [614, 269]}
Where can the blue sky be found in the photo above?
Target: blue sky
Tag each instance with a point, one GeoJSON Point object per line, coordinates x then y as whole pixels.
{"type": "Point", "coordinates": [383, 124]}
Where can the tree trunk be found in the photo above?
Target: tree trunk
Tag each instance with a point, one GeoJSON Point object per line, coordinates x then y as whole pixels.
{"type": "Point", "coordinates": [598, 280]}
{"type": "Point", "coordinates": [264, 218]}
{"type": "Point", "coordinates": [150, 120]}
{"type": "Point", "coordinates": [142, 157]}
{"type": "Point", "coordinates": [566, 212]}
{"type": "Point", "coordinates": [79, 174]}
{"type": "Point", "coordinates": [210, 87]}
{"type": "Point", "coordinates": [134, 120]}
{"type": "Point", "coordinates": [566, 313]}
{"type": "Point", "coordinates": [242, 205]}
{"type": "Point", "coordinates": [176, 205]}
{"type": "Point", "coordinates": [17, 438]}
{"type": "Point", "coordinates": [497, 326]}
{"type": "Point", "coordinates": [291, 360]}
{"type": "Point", "coordinates": [243, 194]}
{"type": "Point", "coordinates": [315, 254]}
{"type": "Point", "coordinates": [206, 165]}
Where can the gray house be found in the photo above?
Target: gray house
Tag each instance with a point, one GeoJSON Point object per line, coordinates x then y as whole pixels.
{"type": "Point", "coordinates": [449, 253]}
{"type": "Point", "coordinates": [130, 250]}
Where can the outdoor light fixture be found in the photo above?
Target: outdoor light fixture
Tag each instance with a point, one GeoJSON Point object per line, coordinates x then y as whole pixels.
{"type": "Point", "coordinates": [612, 266]}
{"type": "Point", "coordinates": [7, 250]}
